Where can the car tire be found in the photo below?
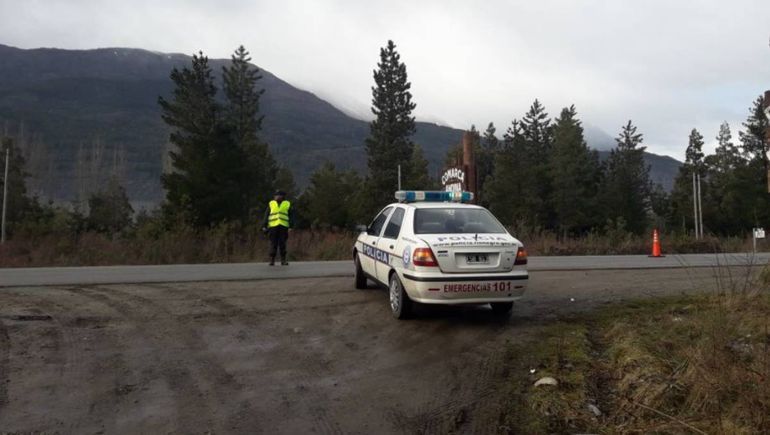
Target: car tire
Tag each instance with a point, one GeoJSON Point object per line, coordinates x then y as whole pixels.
{"type": "Point", "coordinates": [400, 304]}
{"type": "Point", "coordinates": [360, 277]}
{"type": "Point", "coordinates": [502, 308]}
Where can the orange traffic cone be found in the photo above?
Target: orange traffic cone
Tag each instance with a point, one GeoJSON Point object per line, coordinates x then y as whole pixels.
{"type": "Point", "coordinates": [655, 244]}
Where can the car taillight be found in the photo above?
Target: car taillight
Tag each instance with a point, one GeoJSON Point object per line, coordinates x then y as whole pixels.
{"type": "Point", "coordinates": [424, 257]}
{"type": "Point", "coordinates": [521, 257]}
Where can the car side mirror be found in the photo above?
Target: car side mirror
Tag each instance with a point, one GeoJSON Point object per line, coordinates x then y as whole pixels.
{"type": "Point", "coordinates": [361, 228]}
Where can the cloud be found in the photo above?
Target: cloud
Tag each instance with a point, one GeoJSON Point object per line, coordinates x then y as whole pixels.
{"type": "Point", "coordinates": [669, 66]}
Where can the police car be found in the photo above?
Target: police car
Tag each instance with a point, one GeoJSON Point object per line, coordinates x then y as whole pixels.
{"type": "Point", "coordinates": [435, 248]}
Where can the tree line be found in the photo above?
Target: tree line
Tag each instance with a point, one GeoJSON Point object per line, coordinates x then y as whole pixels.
{"type": "Point", "coordinates": [543, 176]}
{"type": "Point", "coordinates": [733, 179]}
{"type": "Point", "coordinates": [540, 175]}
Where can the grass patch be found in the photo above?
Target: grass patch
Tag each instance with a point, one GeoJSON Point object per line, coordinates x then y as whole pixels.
{"type": "Point", "coordinates": [697, 364]}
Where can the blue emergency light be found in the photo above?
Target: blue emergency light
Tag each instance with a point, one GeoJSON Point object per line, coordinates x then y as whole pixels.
{"type": "Point", "coordinates": [433, 196]}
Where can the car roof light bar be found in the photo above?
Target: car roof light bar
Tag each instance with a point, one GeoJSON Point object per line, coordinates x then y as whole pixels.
{"type": "Point", "coordinates": [433, 196]}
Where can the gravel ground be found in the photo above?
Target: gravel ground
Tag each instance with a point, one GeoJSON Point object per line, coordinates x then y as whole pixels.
{"type": "Point", "coordinates": [275, 356]}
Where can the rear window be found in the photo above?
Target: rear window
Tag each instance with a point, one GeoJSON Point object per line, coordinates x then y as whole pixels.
{"type": "Point", "coordinates": [455, 221]}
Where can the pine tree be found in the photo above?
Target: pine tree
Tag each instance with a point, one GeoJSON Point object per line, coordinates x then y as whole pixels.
{"type": "Point", "coordinates": [241, 113]}
{"type": "Point", "coordinates": [721, 169]}
{"type": "Point", "coordinates": [753, 140]}
{"type": "Point", "coordinates": [485, 160]}
{"type": "Point", "coordinates": [537, 133]}
{"type": "Point", "coordinates": [419, 177]}
{"type": "Point", "coordinates": [626, 185]}
{"type": "Point", "coordinates": [205, 186]}
{"type": "Point", "coordinates": [694, 152]}
{"type": "Point", "coordinates": [537, 130]}
{"type": "Point", "coordinates": [507, 182]}
{"type": "Point", "coordinates": [242, 109]}
{"type": "Point", "coordinates": [389, 143]}
{"type": "Point", "coordinates": [574, 171]}
{"type": "Point", "coordinates": [490, 141]}
{"type": "Point", "coordinates": [521, 172]}
{"type": "Point", "coordinates": [328, 200]}
{"type": "Point", "coordinates": [109, 210]}
{"type": "Point", "coordinates": [726, 156]}
{"type": "Point", "coordinates": [746, 193]}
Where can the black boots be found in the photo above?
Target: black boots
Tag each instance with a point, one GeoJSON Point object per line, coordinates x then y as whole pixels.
{"type": "Point", "coordinates": [272, 261]}
{"type": "Point", "coordinates": [284, 262]}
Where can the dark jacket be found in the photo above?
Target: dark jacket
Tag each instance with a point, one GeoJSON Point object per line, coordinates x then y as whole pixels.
{"type": "Point", "coordinates": [266, 216]}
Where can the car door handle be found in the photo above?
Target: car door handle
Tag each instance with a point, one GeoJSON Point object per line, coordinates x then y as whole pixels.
{"type": "Point", "coordinates": [391, 246]}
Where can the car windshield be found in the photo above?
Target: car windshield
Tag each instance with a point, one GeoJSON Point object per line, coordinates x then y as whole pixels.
{"type": "Point", "coordinates": [455, 221]}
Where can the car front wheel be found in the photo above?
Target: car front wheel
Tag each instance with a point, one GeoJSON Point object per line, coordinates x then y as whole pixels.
{"type": "Point", "coordinates": [360, 277]}
{"type": "Point", "coordinates": [400, 304]}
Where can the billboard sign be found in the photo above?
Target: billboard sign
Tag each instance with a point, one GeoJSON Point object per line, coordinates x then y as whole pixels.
{"type": "Point", "coordinates": [453, 180]}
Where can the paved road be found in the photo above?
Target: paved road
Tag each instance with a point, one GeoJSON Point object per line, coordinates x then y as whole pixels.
{"type": "Point", "coordinates": [320, 269]}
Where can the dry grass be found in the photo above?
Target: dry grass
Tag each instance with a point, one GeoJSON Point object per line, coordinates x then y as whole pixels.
{"type": "Point", "coordinates": [698, 364]}
{"type": "Point", "coordinates": [148, 244]}
{"type": "Point", "coordinates": [622, 243]}
{"type": "Point", "coordinates": [222, 244]}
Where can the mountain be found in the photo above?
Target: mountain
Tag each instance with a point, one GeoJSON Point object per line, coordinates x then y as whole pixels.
{"type": "Point", "coordinates": [80, 114]}
{"type": "Point", "coordinates": [597, 138]}
{"type": "Point", "coordinates": [663, 169]}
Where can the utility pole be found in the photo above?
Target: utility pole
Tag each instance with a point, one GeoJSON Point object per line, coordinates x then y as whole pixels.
{"type": "Point", "coordinates": [700, 208]}
{"type": "Point", "coordinates": [5, 190]}
{"type": "Point", "coordinates": [695, 206]}
{"type": "Point", "coordinates": [399, 177]}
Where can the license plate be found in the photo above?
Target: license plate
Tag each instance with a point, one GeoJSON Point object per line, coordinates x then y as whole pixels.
{"type": "Point", "coordinates": [477, 259]}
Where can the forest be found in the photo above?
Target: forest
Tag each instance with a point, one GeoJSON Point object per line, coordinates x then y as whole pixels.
{"type": "Point", "coordinates": [539, 178]}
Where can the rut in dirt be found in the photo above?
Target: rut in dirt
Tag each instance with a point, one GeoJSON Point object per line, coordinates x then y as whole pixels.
{"type": "Point", "coordinates": [5, 378]}
{"type": "Point", "coordinates": [199, 384]}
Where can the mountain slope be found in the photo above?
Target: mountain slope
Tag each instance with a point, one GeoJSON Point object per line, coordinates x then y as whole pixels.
{"type": "Point", "coordinates": [86, 111]}
{"type": "Point", "coordinates": [663, 169]}
{"type": "Point", "coordinates": [72, 99]}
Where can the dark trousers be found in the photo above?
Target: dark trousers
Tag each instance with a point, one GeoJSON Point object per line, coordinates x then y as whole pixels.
{"type": "Point", "coordinates": [278, 236]}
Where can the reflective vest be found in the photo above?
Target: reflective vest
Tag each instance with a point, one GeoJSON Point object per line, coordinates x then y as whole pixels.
{"type": "Point", "coordinates": [279, 214]}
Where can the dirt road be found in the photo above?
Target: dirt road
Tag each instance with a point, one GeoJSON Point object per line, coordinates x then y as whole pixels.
{"type": "Point", "coordinates": [290, 356]}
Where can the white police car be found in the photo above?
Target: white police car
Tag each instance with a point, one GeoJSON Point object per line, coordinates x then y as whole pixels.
{"type": "Point", "coordinates": [433, 248]}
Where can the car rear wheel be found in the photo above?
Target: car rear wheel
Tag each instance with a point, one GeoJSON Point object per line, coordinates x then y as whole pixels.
{"type": "Point", "coordinates": [502, 308]}
{"type": "Point", "coordinates": [400, 304]}
{"type": "Point", "coordinates": [360, 277]}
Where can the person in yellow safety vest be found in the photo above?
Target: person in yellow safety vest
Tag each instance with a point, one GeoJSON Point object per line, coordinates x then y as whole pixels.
{"type": "Point", "coordinates": [278, 220]}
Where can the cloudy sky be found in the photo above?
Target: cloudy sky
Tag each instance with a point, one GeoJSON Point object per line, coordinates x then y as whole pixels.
{"type": "Point", "coordinates": [667, 65]}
